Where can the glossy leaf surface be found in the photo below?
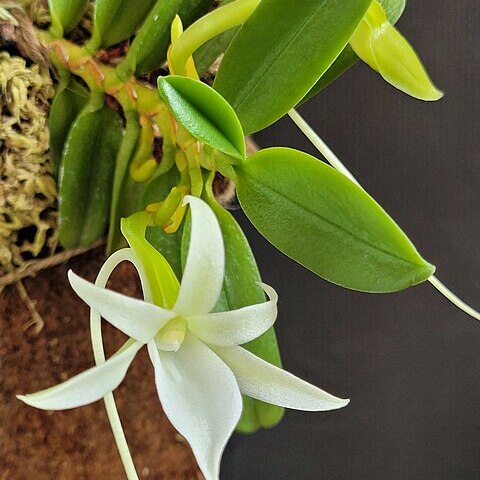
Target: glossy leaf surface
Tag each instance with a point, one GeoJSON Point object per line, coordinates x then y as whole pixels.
{"type": "Point", "coordinates": [276, 57]}
{"type": "Point", "coordinates": [66, 14]}
{"type": "Point", "coordinates": [204, 113]}
{"type": "Point", "coordinates": [394, 10]}
{"type": "Point", "coordinates": [240, 289]}
{"type": "Point", "coordinates": [117, 20]}
{"type": "Point", "coordinates": [67, 104]}
{"type": "Point", "coordinates": [86, 175]}
{"type": "Point", "coordinates": [149, 49]}
{"type": "Point", "coordinates": [322, 220]}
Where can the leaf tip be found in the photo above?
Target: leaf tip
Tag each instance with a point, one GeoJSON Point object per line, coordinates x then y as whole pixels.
{"type": "Point", "coordinates": [435, 95]}
{"type": "Point", "coordinates": [424, 273]}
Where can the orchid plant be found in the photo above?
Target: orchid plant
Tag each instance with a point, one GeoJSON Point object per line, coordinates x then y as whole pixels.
{"type": "Point", "coordinates": [140, 141]}
{"type": "Point", "coordinates": [200, 369]}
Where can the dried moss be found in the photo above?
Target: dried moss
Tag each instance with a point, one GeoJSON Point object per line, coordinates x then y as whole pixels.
{"type": "Point", "coordinates": [27, 187]}
{"type": "Point", "coordinates": [37, 10]}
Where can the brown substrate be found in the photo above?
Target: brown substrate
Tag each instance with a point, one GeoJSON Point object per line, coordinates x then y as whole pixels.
{"type": "Point", "coordinates": [76, 443]}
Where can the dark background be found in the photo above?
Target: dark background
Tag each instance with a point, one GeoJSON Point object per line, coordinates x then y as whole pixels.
{"type": "Point", "coordinates": [410, 362]}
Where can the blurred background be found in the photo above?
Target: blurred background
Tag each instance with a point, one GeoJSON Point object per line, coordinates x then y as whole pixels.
{"type": "Point", "coordinates": [410, 362]}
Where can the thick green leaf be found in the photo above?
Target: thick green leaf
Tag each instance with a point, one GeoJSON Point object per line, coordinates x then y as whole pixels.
{"type": "Point", "coordinates": [240, 289]}
{"type": "Point", "coordinates": [204, 113]}
{"type": "Point", "coordinates": [280, 53]}
{"type": "Point", "coordinates": [149, 49]}
{"type": "Point", "coordinates": [66, 105]}
{"type": "Point", "coordinates": [322, 220]}
{"type": "Point", "coordinates": [66, 14]}
{"type": "Point", "coordinates": [86, 174]}
{"type": "Point", "coordinates": [394, 10]}
{"type": "Point", "coordinates": [117, 20]}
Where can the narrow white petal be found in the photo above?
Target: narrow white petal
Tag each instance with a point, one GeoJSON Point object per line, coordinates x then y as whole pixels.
{"type": "Point", "coordinates": [204, 270]}
{"type": "Point", "coordinates": [86, 387]}
{"type": "Point", "coordinates": [136, 318]}
{"type": "Point", "coordinates": [201, 398]}
{"type": "Point", "coordinates": [263, 381]}
{"type": "Point", "coordinates": [236, 326]}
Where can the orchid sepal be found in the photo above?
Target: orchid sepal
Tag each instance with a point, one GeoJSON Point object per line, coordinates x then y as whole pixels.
{"type": "Point", "coordinates": [200, 370]}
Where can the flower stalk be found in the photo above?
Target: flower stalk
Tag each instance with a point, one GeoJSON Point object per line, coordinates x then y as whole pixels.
{"type": "Point", "coordinates": [99, 355]}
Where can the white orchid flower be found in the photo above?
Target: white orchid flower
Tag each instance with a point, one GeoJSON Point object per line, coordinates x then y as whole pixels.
{"type": "Point", "coordinates": [200, 369]}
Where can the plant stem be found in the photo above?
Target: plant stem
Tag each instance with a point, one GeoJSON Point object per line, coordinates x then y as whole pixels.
{"type": "Point", "coordinates": [131, 93]}
{"type": "Point", "coordinates": [447, 293]}
{"type": "Point", "coordinates": [99, 354]}
{"type": "Point", "coordinates": [208, 27]}
{"type": "Point", "coordinates": [331, 158]}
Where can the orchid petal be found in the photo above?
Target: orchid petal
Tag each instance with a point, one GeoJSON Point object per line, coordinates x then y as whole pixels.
{"type": "Point", "coordinates": [236, 326]}
{"type": "Point", "coordinates": [204, 269]}
{"type": "Point", "coordinates": [86, 387]}
{"type": "Point", "coordinates": [263, 381]}
{"type": "Point", "coordinates": [136, 318]}
{"type": "Point", "coordinates": [200, 396]}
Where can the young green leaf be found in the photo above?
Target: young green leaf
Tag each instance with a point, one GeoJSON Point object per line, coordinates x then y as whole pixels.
{"type": "Point", "coordinates": [204, 113]}
{"type": "Point", "coordinates": [322, 220]}
{"type": "Point", "coordinates": [276, 57]}
{"type": "Point", "coordinates": [86, 174]}
{"type": "Point", "coordinates": [65, 14]}
{"type": "Point", "coordinates": [117, 20]}
{"type": "Point", "coordinates": [149, 49]}
{"type": "Point", "coordinates": [394, 10]}
{"type": "Point", "coordinates": [240, 289]}
{"type": "Point", "coordinates": [378, 43]}
{"type": "Point", "coordinates": [66, 106]}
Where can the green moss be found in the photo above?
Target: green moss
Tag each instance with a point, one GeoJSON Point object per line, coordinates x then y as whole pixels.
{"type": "Point", "coordinates": [27, 187]}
